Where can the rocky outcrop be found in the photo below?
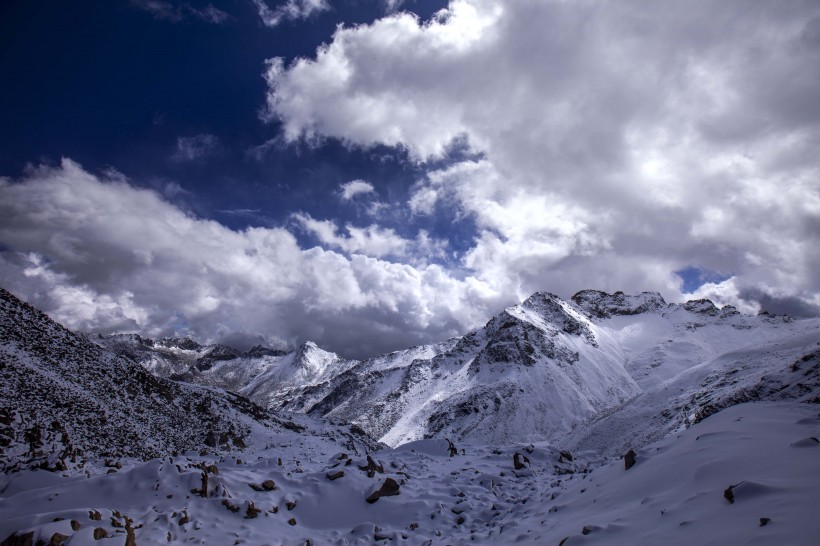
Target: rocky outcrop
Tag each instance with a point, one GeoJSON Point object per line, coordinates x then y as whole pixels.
{"type": "Point", "coordinates": [598, 304]}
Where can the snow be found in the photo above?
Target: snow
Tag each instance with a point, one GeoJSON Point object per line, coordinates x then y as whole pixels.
{"type": "Point", "coordinates": [673, 495]}
{"type": "Point", "coordinates": [722, 410]}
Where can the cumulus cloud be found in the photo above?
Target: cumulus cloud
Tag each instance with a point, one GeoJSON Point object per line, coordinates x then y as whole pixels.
{"type": "Point", "coordinates": [355, 187]}
{"type": "Point", "coordinates": [195, 147]}
{"type": "Point", "coordinates": [373, 240]}
{"type": "Point", "coordinates": [618, 142]}
{"type": "Point", "coordinates": [290, 10]}
{"type": "Point", "coordinates": [101, 255]}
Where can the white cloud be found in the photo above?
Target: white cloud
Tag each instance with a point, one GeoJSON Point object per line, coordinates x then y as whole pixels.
{"type": "Point", "coordinates": [619, 142]}
{"type": "Point", "coordinates": [101, 255]}
{"type": "Point", "coordinates": [195, 147]}
{"type": "Point", "coordinates": [373, 240]}
{"type": "Point", "coordinates": [290, 10]}
{"type": "Point", "coordinates": [355, 187]}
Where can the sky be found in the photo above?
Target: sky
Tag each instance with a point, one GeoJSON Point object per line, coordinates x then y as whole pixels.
{"type": "Point", "coordinates": [376, 174]}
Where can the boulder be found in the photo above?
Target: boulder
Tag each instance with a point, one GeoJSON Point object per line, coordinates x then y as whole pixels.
{"type": "Point", "coordinates": [389, 488]}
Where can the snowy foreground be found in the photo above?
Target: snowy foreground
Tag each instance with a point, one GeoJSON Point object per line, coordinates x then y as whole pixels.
{"type": "Point", "coordinates": [677, 492]}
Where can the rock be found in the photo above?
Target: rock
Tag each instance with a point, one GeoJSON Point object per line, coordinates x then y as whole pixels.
{"type": "Point", "coordinates": [629, 459]}
{"type": "Point", "coordinates": [203, 491]}
{"type": "Point", "coordinates": [19, 540]}
{"type": "Point", "coordinates": [94, 515]}
{"type": "Point", "coordinates": [451, 448]}
{"type": "Point", "coordinates": [251, 511]}
{"type": "Point", "coordinates": [57, 539]}
{"type": "Point", "coordinates": [292, 521]}
{"type": "Point", "coordinates": [764, 521]}
{"type": "Point", "coordinates": [290, 505]}
{"type": "Point", "coordinates": [100, 533]}
{"type": "Point", "coordinates": [389, 488]}
{"type": "Point", "coordinates": [130, 538]}
{"type": "Point", "coordinates": [372, 467]}
{"type": "Point", "coordinates": [75, 525]}
{"type": "Point", "coordinates": [519, 461]}
{"type": "Point", "coordinates": [269, 485]}
{"type": "Point", "coordinates": [565, 455]}
{"type": "Point", "coordinates": [729, 494]}
{"type": "Point", "coordinates": [229, 506]}
{"type": "Point", "coordinates": [335, 475]}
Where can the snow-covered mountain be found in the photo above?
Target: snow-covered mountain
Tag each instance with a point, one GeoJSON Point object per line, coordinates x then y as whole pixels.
{"type": "Point", "coordinates": [64, 400]}
{"type": "Point", "coordinates": [536, 371]}
{"type": "Point", "coordinates": [606, 419]}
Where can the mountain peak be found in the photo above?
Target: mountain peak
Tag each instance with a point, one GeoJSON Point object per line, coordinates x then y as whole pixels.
{"type": "Point", "coordinates": [599, 304]}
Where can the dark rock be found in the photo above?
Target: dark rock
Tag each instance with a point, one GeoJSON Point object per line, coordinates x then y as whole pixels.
{"type": "Point", "coordinates": [451, 448]}
{"type": "Point", "coordinates": [130, 537]}
{"type": "Point", "coordinates": [335, 475]}
{"type": "Point", "coordinates": [19, 540]}
{"type": "Point", "coordinates": [729, 493]}
{"type": "Point", "coordinates": [629, 459]}
{"type": "Point", "coordinates": [519, 461]}
{"type": "Point", "coordinates": [292, 521]}
{"type": "Point", "coordinates": [100, 533]}
{"type": "Point", "coordinates": [565, 455]}
{"type": "Point", "coordinates": [372, 467]}
{"type": "Point", "coordinates": [75, 525]}
{"type": "Point", "coordinates": [764, 521]}
{"type": "Point", "coordinates": [229, 506]}
{"type": "Point", "coordinates": [251, 511]}
{"type": "Point", "coordinates": [57, 539]}
{"type": "Point", "coordinates": [389, 488]}
{"type": "Point", "coordinates": [269, 485]}
{"type": "Point", "coordinates": [290, 505]}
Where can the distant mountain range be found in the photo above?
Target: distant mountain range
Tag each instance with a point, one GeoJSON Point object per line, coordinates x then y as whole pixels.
{"type": "Point", "coordinates": [608, 418]}
{"type": "Point", "coordinates": [539, 370]}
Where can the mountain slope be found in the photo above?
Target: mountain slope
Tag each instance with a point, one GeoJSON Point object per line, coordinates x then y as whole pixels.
{"type": "Point", "coordinates": [530, 373]}
{"type": "Point", "coordinates": [535, 371]}
{"type": "Point", "coordinates": [64, 399]}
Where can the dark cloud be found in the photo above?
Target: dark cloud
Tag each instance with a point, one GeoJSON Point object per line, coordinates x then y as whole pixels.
{"type": "Point", "coordinates": [792, 306]}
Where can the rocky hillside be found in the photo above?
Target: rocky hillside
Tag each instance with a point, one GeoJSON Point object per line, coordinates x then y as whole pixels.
{"type": "Point", "coordinates": [64, 399]}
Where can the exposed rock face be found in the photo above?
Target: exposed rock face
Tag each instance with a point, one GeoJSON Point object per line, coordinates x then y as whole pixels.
{"type": "Point", "coordinates": [64, 399]}
{"type": "Point", "coordinates": [599, 304]}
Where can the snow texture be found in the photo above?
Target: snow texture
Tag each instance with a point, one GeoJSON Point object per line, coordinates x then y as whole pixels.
{"type": "Point", "coordinates": [517, 432]}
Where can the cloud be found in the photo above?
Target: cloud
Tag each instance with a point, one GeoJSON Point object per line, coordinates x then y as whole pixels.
{"type": "Point", "coordinates": [195, 147]}
{"type": "Point", "coordinates": [290, 10]}
{"type": "Point", "coordinates": [354, 188]}
{"type": "Point", "coordinates": [100, 255]}
{"type": "Point", "coordinates": [373, 240]}
{"type": "Point", "coordinates": [612, 144]}
{"type": "Point", "coordinates": [167, 11]}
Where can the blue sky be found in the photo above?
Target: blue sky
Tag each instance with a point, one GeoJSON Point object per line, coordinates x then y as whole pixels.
{"type": "Point", "coordinates": [371, 174]}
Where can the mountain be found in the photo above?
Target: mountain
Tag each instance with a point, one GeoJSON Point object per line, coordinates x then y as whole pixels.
{"type": "Point", "coordinates": [659, 424]}
{"type": "Point", "coordinates": [538, 370]}
{"type": "Point", "coordinates": [65, 399]}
